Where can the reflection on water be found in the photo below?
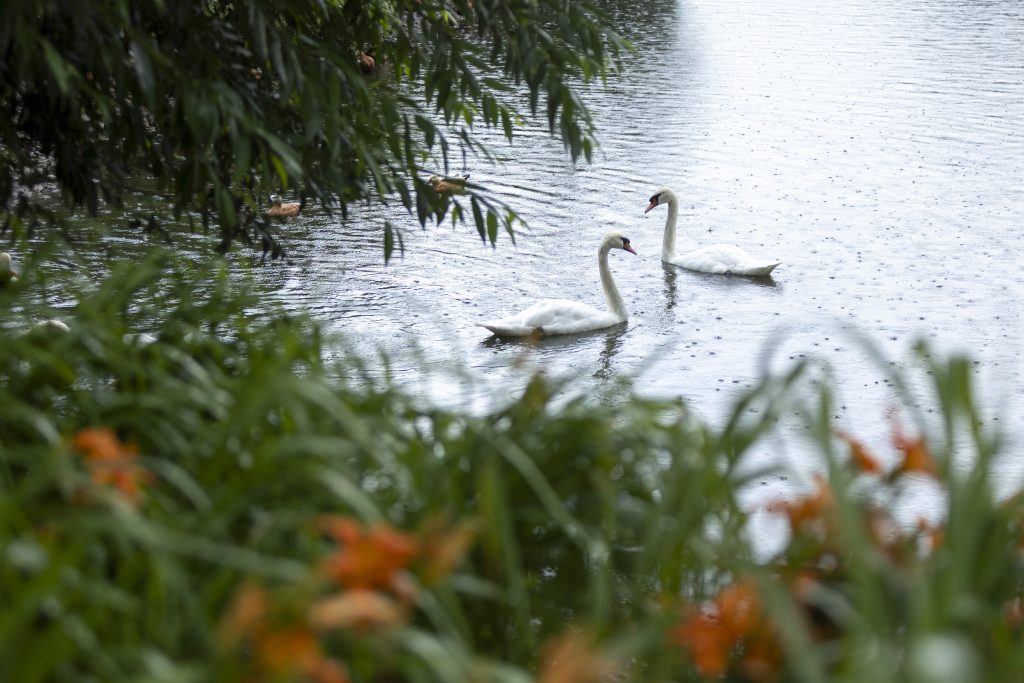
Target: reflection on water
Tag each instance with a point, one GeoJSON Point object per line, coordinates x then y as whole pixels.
{"type": "Point", "coordinates": [671, 275]}
{"type": "Point", "coordinates": [522, 347]}
{"type": "Point", "coordinates": [613, 342]}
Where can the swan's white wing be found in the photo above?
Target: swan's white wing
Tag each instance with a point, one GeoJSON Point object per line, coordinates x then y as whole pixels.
{"type": "Point", "coordinates": [553, 316]}
{"type": "Point", "coordinates": [724, 258]}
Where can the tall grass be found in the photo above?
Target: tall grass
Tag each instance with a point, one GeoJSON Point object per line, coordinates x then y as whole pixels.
{"type": "Point", "coordinates": [218, 505]}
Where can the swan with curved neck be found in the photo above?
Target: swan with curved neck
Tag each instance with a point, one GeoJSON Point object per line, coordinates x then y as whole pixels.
{"type": "Point", "coordinates": [559, 316]}
{"type": "Point", "coordinates": [725, 259]}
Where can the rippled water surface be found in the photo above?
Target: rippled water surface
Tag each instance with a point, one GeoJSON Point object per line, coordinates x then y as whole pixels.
{"type": "Point", "coordinates": [875, 147]}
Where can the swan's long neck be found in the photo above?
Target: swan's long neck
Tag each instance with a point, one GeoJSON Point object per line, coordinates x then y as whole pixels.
{"type": "Point", "coordinates": [668, 244]}
{"type": "Point", "coordinates": [615, 303]}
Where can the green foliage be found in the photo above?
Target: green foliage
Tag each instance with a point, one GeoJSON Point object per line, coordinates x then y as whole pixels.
{"type": "Point", "coordinates": [216, 104]}
{"type": "Point", "coordinates": [202, 557]}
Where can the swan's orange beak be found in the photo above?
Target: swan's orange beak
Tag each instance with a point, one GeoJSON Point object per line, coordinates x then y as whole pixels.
{"type": "Point", "coordinates": [654, 203]}
{"type": "Point", "coordinates": [629, 249]}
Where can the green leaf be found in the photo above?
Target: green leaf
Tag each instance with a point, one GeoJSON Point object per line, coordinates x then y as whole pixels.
{"type": "Point", "coordinates": [143, 70]}
{"type": "Point", "coordinates": [492, 227]}
{"type": "Point", "coordinates": [478, 218]}
{"type": "Point", "coordinates": [58, 67]}
{"type": "Point", "coordinates": [268, 96]}
{"type": "Point", "coordinates": [389, 241]}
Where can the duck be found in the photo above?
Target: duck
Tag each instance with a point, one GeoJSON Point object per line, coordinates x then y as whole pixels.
{"type": "Point", "coordinates": [281, 210]}
{"type": "Point", "coordinates": [721, 259]}
{"type": "Point", "coordinates": [455, 184]}
{"type": "Point", "coordinates": [7, 274]}
{"type": "Point", "coordinates": [366, 60]}
{"type": "Point", "coordinates": [561, 316]}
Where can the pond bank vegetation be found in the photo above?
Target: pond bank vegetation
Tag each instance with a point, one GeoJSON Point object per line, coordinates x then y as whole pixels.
{"type": "Point", "coordinates": [210, 502]}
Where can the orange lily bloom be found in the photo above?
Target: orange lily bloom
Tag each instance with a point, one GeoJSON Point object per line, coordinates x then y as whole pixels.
{"type": "Point", "coordinates": [369, 558]}
{"type": "Point", "coordinates": [358, 609]}
{"type": "Point", "coordinates": [804, 511]}
{"type": "Point", "coordinates": [572, 658]}
{"type": "Point", "coordinates": [739, 607]}
{"type": "Point", "coordinates": [859, 453]}
{"type": "Point", "coordinates": [244, 616]}
{"type": "Point", "coordinates": [707, 640]}
{"type": "Point", "coordinates": [111, 463]}
{"type": "Point", "coordinates": [281, 651]}
{"type": "Point", "coordinates": [326, 670]}
{"type": "Point", "coordinates": [916, 457]}
{"type": "Point", "coordinates": [711, 634]}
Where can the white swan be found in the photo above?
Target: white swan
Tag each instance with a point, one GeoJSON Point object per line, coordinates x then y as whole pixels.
{"type": "Point", "coordinates": [558, 316]}
{"type": "Point", "coordinates": [719, 258]}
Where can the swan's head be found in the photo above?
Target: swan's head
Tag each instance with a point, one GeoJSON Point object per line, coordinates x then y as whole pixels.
{"type": "Point", "coordinates": [614, 240]}
{"type": "Point", "coordinates": [662, 196]}
{"type": "Point", "coordinates": [275, 199]}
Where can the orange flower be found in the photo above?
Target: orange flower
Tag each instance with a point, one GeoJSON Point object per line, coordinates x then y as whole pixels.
{"type": "Point", "coordinates": [373, 558]}
{"type": "Point", "coordinates": [572, 658]}
{"type": "Point", "coordinates": [916, 457]}
{"type": "Point", "coordinates": [244, 616]}
{"type": "Point", "coordinates": [283, 653]}
{"type": "Point", "coordinates": [326, 670]}
{"type": "Point", "coordinates": [111, 463]}
{"type": "Point", "coordinates": [859, 453]}
{"type": "Point", "coordinates": [802, 512]}
{"type": "Point", "coordinates": [731, 625]}
{"type": "Point", "coordinates": [99, 443]}
{"type": "Point", "coordinates": [285, 650]}
{"type": "Point", "coordinates": [739, 608]}
{"type": "Point", "coordinates": [280, 651]}
{"type": "Point", "coordinates": [711, 634]}
{"type": "Point", "coordinates": [358, 609]}
{"type": "Point", "coordinates": [707, 640]}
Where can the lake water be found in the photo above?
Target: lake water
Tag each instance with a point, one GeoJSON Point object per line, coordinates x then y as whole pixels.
{"type": "Point", "coordinates": [876, 147]}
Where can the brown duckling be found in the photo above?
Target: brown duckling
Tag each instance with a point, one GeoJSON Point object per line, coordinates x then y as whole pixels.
{"type": "Point", "coordinates": [366, 60]}
{"type": "Point", "coordinates": [453, 184]}
{"type": "Point", "coordinates": [281, 210]}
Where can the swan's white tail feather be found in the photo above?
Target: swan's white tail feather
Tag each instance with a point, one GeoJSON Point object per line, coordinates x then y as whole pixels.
{"type": "Point", "coordinates": [764, 270]}
{"type": "Point", "coordinates": [496, 327]}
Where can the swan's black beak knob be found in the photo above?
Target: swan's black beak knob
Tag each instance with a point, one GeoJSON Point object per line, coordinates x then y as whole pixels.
{"type": "Point", "coordinates": [654, 203]}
